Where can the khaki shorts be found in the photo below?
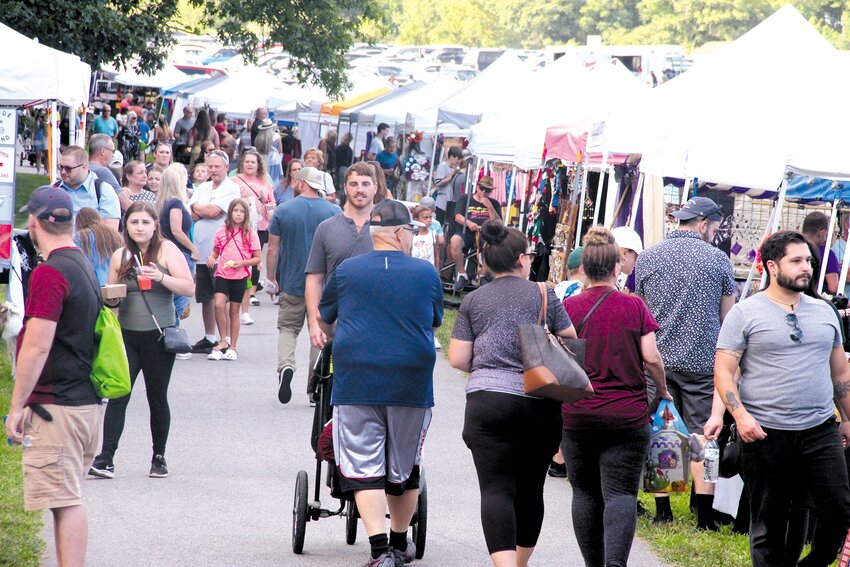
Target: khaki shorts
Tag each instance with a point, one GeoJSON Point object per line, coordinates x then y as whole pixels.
{"type": "Point", "coordinates": [60, 454]}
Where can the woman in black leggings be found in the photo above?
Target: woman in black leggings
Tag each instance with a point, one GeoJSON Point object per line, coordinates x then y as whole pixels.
{"type": "Point", "coordinates": [511, 435]}
{"type": "Point", "coordinates": [155, 267]}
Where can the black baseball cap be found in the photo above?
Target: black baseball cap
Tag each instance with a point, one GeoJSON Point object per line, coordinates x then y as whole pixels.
{"type": "Point", "coordinates": [390, 212]}
{"type": "Point", "coordinates": [699, 207]}
{"type": "Point", "coordinates": [51, 204]}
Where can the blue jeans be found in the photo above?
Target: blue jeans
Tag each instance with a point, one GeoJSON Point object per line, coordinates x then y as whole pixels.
{"type": "Point", "coordinates": [181, 302]}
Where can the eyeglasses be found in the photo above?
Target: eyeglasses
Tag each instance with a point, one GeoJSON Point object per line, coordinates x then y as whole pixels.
{"type": "Point", "coordinates": [796, 332]}
{"type": "Point", "coordinates": [530, 254]}
{"type": "Point", "coordinates": [70, 168]}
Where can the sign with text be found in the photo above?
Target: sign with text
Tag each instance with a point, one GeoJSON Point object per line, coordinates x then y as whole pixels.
{"type": "Point", "coordinates": [8, 153]}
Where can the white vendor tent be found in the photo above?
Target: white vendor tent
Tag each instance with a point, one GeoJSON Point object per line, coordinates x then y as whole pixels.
{"type": "Point", "coordinates": [733, 119]}
{"type": "Point", "coordinates": [165, 78]}
{"type": "Point", "coordinates": [562, 93]}
{"type": "Point", "coordinates": [500, 85]}
{"type": "Point", "coordinates": [393, 110]}
{"type": "Point", "coordinates": [34, 72]}
{"type": "Point", "coordinates": [241, 93]}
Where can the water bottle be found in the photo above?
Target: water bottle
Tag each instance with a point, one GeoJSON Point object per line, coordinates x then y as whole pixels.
{"type": "Point", "coordinates": [268, 286]}
{"type": "Point", "coordinates": [712, 461]}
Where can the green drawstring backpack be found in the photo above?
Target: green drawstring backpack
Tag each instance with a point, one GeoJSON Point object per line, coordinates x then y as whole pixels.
{"type": "Point", "coordinates": [110, 371]}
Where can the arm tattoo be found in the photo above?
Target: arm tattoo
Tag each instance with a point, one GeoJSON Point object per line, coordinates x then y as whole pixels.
{"type": "Point", "coordinates": [732, 401]}
{"type": "Point", "coordinates": [842, 389]}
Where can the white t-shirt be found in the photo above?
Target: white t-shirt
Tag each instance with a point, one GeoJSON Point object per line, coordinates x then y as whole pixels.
{"type": "Point", "coordinates": [377, 146]}
{"type": "Point", "coordinates": [205, 229]}
{"type": "Point", "coordinates": [423, 246]}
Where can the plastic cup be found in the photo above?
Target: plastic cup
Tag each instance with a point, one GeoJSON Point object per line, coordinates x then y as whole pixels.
{"type": "Point", "coordinates": [144, 283]}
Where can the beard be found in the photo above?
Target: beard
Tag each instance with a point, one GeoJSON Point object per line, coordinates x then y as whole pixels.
{"type": "Point", "coordinates": [794, 284]}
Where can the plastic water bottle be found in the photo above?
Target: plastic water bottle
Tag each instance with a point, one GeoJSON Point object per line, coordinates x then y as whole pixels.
{"type": "Point", "coordinates": [712, 461]}
{"type": "Point", "coordinates": [268, 286]}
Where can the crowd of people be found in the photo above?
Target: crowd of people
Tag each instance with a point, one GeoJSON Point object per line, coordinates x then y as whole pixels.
{"type": "Point", "coordinates": [339, 252]}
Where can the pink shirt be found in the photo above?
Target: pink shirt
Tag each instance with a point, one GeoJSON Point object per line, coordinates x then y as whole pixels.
{"type": "Point", "coordinates": [259, 193]}
{"type": "Point", "coordinates": [232, 246]}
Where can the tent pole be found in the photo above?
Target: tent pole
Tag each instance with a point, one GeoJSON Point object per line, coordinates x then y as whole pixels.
{"type": "Point", "coordinates": [434, 158]}
{"type": "Point", "coordinates": [845, 264]}
{"type": "Point", "coordinates": [775, 219]}
{"type": "Point", "coordinates": [54, 141]}
{"type": "Point", "coordinates": [510, 196]}
{"type": "Point", "coordinates": [581, 198]}
{"type": "Point", "coordinates": [525, 197]}
{"type": "Point", "coordinates": [354, 143]}
{"type": "Point", "coordinates": [832, 219]}
{"type": "Point", "coordinates": [686, 189]}
{"type": "Point", "coordinates": [636, 202]}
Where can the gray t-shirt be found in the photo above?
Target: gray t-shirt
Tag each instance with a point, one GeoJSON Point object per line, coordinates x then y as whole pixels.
{"type": "Point", "coordinates": [784, 384]}
{"type": "Point", "coordinates": [336, 240]}
{"type": "Point", "coordinates": [181, 130]}
{"type": "Point", "coordinates": [489, 317]}
{"type": "Point", "coordinates": [443, 170]}
{"type": "Point", "coordinates": [105, 175]}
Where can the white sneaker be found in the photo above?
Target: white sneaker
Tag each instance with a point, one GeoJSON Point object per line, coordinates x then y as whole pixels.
{"type": "Point", "coordinates": [437, 344]}
{"type": "Point", "coordinates": [255, 301]}
{"type": "Point", "coordinates": [246, 319]}
{"type": "Point", "coordinates": [215, 355]}
{"type": "Point", "coordinates": [183, 356]}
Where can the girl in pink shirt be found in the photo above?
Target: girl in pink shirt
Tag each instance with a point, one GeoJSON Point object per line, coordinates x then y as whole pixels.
{"type": "Point", "coordinates": [235, 250]}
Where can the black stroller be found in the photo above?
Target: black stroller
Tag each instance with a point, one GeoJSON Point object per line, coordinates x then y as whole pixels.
{"type": "Point", "coordinates": [304, 510]}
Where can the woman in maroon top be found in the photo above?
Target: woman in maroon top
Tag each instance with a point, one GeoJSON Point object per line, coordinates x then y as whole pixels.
{"type": "Point", "coordinates": [606, 436]}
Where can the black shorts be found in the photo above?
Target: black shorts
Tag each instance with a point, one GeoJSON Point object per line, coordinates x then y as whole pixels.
{"type": "Point", "coordinates": [693, 394]}
{"type": "Point", "coordinates": [468, 239]}
{"type": "Point", "coordinates": [204, 289]}
{"type": "Point", "coordinates": [233, 289]}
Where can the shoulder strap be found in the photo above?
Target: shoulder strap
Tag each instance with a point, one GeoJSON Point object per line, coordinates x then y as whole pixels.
{"type": "Point", "coordinates": [541, 318]}
{"type": "Point", "coordinates": [85, 267]}
{"type": "Point", "coordinates": [592, 309]}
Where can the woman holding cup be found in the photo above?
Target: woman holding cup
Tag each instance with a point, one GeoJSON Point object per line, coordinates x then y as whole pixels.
{"type": "Point", "coordinates": [150, 265]}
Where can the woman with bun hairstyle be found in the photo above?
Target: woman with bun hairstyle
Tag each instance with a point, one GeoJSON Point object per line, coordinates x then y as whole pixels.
{"type": "Point", "coordinates": [606, 436]}
{"type": "Point", "coordinates": [512, 435]}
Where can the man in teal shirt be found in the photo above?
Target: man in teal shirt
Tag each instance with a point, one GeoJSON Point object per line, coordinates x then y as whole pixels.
{"type": "Point", "coordinates": [105, 124]}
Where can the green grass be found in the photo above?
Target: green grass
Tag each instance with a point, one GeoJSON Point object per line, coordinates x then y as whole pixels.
{"type": "Point", "coordinates": [444, 331]}
{"type": "Point", "coordinates": [25, 184]}
{"type": "Point", "coordinates": [20, 540]}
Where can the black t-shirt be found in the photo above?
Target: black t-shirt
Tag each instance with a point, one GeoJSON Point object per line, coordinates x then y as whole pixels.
{"type": "Point", "coordinates": [344, 155]}
{"type": "Point", "coordinates": [477, 212]}
{"type": "Point", "coordinates": [64, 290]}
{"type": "Point", "coordinates": [165, 221]}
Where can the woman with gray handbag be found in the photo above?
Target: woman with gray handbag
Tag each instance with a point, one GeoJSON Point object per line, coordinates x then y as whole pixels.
{"type": "Point", "coordinates": [512, 435]}
{"type": "Point", "coordinates": [154, 270]}
{"type": "Point", "coordinates": [606, 436]}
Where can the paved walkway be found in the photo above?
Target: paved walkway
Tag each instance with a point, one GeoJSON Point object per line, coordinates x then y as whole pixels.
{"type": "Point", "coordinates": [233, 455]}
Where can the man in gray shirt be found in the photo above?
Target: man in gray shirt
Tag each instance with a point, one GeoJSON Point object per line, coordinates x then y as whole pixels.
{"type": "Point", "coordinates": [788, 348]}
{"type": "Point", "coordinates": [181, 134]}
{"type": "Point", "coordinates": [101, 149]}
{"type": "Point", "coordinates": [339, 238]}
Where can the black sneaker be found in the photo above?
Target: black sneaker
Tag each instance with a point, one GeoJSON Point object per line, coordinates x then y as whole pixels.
{"type": "Point", "coordinates": [557, 470]}
{"type": "Point", "coordinates": [203, 346]}
{"type": "Point", "coordinates": [284, 391]}
{"type": "Point", "coordinates": [102, 468]}
{"type": "Point", "coordinates": [158, 467]}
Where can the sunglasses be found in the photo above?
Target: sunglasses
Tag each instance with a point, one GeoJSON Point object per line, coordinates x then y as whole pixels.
{"type": "Point", "coordinates": [796, 331]}
{"type": "Point", "coordinates": [70, 168]}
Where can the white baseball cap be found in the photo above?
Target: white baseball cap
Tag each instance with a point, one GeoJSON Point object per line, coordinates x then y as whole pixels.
{"type": "Point", "coordinates": [627, 238]}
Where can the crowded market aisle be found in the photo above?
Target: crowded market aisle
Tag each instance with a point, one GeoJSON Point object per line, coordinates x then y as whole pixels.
{"type": "Point", "coordinates": [233, 455]}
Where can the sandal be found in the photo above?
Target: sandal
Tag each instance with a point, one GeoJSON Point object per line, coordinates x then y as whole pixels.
{"type": "Point", "coordinates": [229, 354]}
{"type": "Point", "coordinates": [218, 351]}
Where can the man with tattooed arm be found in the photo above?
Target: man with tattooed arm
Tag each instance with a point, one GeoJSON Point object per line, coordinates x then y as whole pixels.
{"type": "Point", "coordinates": [793, 372]}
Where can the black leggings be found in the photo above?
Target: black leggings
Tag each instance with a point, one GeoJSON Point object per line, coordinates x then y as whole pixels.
{"type": "Point", "coordinates": [255, 270]}
{"type": "Point", "coordinates": [145, 352]}
{"type": "Point", "coordinates": [512, 439]}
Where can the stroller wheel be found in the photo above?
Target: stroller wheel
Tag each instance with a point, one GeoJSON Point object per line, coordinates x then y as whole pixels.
{"type": "Point", "coordinates": [420, 527]}
{"type": "Point", "coordinates": [300, 512]}
{"type": "Point", "coordinates": [351, 523]}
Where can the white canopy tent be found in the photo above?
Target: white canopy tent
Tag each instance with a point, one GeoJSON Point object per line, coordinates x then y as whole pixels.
{"type": "Point", "coordinates": [500, 85]}
{"type": "Point", "coordinates": [165, 78]}
{"type": "Point", "coordinates": [394, 110]}
{"type": "Point", "coordinates": [241, 93]}
{"type": "Point", "coordinates": [34, 72]}
{"type": "Point", "coordinates": [563, 93]}
{"type": "Point", "coordinates": [733, 119]}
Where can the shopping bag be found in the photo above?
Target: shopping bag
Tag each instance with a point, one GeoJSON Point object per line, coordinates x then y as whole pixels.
{"type": "Point", "coordinates": [844, 558]}
{"type": "Point", "coordinates": [667, 463]}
